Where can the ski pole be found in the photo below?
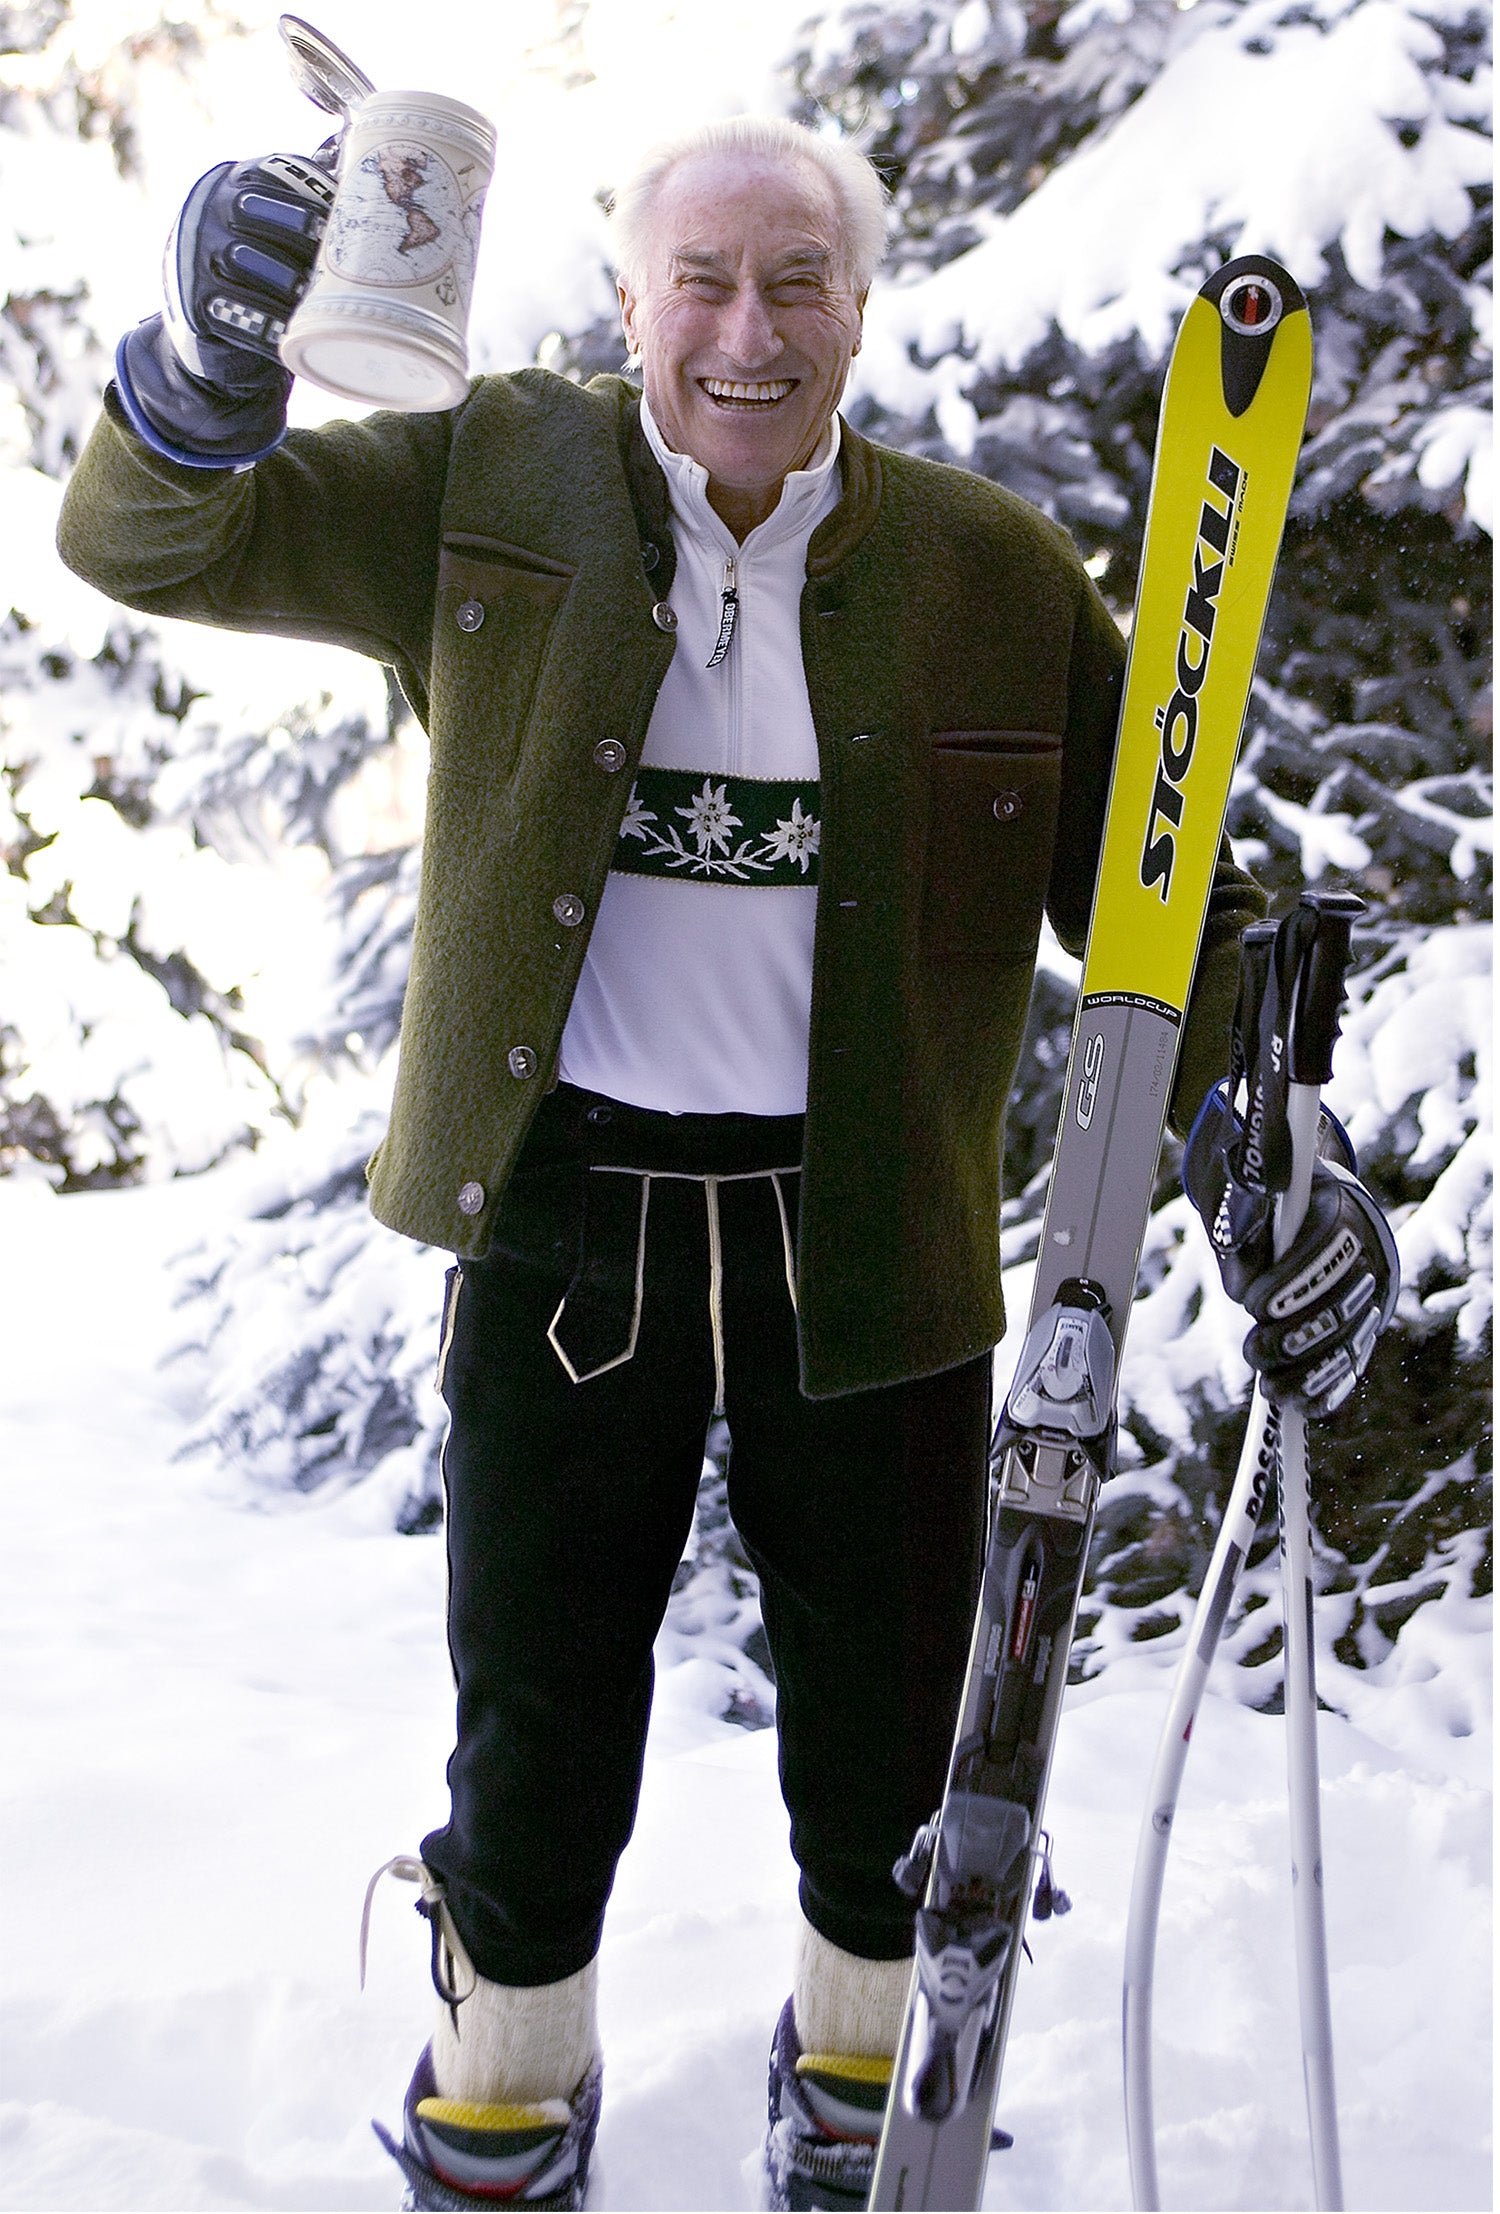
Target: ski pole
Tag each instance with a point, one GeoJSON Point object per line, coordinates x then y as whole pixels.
{"type": "Point", "coordinates": [1237, 1527]}
{"type": "Point", "coordinates": [1314, 1030]}
{"type": "Point", "coordinates": [1314, 943]}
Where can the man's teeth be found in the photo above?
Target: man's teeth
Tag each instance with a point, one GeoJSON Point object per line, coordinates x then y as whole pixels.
{"type": "Point", "coordinates": [719, 388]}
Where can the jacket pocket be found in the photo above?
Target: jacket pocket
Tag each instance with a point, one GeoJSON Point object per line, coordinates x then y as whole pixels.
{"type": "Point", "coordinates": [992, 820]}
{"type": "Point", "coordinates": [497, 606]}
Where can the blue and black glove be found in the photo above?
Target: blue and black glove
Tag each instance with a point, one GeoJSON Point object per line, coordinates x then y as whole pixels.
{"type": "Point", "coordinates": [1319, 1309]}
{"type": "Point", "coordinates": [203, 383]}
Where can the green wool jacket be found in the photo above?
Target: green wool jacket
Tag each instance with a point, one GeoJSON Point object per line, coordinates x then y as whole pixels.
{"type": "Point", "coordinates": [964, 678]}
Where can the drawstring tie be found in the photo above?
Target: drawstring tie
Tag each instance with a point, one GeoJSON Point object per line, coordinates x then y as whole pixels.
{"type": "Point", "coordinates": [598, 1318]}
{"type": "Point", "coordinates": [450, 1961]}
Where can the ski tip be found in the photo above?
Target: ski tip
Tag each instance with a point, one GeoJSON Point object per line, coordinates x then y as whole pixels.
{"type": "Point", "coordinates": [1253, 293]}
{"type": "Point", "coordinates": [1253, 297]}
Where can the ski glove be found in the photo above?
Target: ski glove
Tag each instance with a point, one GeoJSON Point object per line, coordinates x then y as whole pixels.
{"type": "Point", "coordinates": [1319, 1309]}
{"type": "Point", "coordinates": [203, 384]}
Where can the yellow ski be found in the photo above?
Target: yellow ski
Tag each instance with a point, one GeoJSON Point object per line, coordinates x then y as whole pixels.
{"type": "Point", "coordinates": [1230, 430]}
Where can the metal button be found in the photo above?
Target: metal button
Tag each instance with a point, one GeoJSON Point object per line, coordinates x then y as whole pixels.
{"type": "Point", "coordinates": [609, 755]}
{"type": "Point", "coordinates": [1007, 806]}
{"type": "Point", "coordinates": [469, 614]}
{"type": "Point", "coordinates": [470, 1199]}
{"type": "Point", "coordinates": [568, 908]}
{"type": "Point", "coordinates": [521, 1061]}
{"type": "Point", "coordinates": [664, 617]}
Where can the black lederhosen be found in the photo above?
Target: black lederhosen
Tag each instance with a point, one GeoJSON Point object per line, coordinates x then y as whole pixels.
{"type": "Point", "coordinates": [569, 1504]}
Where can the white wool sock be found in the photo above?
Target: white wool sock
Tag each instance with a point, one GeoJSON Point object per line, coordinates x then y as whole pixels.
{"type": "Point", "coordinates": [844, 2004]}
{"type": "Point", "coordinates": [518, 2043]}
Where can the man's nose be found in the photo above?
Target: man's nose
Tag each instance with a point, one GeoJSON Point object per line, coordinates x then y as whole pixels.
{"type": "Point", "coordinates": [748, 334]}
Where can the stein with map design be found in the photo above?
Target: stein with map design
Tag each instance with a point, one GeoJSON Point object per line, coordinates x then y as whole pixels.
{"type": "Point", "coordinates": [385, 317]}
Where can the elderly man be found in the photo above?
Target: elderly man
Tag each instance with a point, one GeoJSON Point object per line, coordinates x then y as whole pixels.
{"type": "Point", "coordinates": [757, 751]}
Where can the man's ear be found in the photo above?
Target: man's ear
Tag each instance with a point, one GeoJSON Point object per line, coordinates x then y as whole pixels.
{"type": "Point", "coordinates": [859, 321]}
{"type": "Point", "coordinates": [628, 306]}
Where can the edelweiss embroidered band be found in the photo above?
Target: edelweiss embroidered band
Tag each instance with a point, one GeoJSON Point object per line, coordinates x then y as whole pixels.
{"type": "Point", "coordinates": [727, 830]}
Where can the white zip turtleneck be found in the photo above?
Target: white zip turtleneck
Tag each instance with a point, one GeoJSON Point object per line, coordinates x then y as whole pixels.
{"type": "Point", "coordinates": [695, 993]}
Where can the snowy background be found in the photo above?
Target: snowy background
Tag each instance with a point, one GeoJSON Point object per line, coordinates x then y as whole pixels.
{"type": "Point", "coordinates": [227, 1688]}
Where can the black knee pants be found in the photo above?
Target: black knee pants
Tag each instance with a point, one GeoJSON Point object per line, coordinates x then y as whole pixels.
{"type": "Point", "coordinates": [569, 1504]}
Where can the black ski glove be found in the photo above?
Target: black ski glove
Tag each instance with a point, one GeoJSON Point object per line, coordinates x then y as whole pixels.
{"type": "Point", "coordinates": [203, 383]}
{"type": "Point", "coordinates": [1319, 1309]}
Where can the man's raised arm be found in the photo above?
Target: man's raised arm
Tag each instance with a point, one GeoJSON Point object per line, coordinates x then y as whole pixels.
{"type": "Point", "coordinates": [192, 499]}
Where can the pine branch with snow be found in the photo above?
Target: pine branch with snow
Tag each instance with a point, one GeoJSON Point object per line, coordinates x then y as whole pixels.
{"type": "Point", "coordinates": [1044, 247]}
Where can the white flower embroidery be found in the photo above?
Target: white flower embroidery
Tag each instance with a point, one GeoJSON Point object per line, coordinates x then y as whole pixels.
{"type": "Point", "coordinates": [708, 849]}
{"type": "Point", "coordinates": [673, 849]}
{"type": "Point", "coordinates": [709, 817]}
{"type": "Point", "coordinates": [794, 838]}
{"type": "Point", "coordinates": [636, 817]}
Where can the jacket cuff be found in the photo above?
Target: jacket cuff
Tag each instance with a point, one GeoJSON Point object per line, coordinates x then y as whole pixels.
{"type": "Point", "coordinates": [186, 421]}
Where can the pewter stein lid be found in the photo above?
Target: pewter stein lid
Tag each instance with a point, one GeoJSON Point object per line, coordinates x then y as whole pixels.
{"type": "Point", "coordinates": [322, 70]}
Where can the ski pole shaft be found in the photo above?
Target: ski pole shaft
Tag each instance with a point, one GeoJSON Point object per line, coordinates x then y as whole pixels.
{"type": "Point", "coordinates": [1314, 1031]}
{"type": "Point", "coordinates": [1236, 1534]}
{"type": "Point", "coordinates": [1303, 1794]}
{"type": "Point", "coordinates": [1317, 939]}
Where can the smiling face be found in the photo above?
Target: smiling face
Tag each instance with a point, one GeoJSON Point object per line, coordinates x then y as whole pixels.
{"type": "Point", "coordinates": [745, 323]}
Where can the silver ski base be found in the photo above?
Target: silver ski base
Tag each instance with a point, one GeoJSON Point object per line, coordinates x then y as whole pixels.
{"type": "Point", "coordinates": [974, 1864]}
{"type": "Point", "coordinates": [1119, 1083]}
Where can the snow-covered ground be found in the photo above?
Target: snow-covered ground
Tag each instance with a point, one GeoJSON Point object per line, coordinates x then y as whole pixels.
{"type": "Point", "coordinates": [222, 1717]}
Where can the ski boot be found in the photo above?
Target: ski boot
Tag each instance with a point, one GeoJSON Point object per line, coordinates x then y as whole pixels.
{"type": "Point", "coordinates": [823, 2122]}
{"type": "Point", "coordinates": [457, 2154]}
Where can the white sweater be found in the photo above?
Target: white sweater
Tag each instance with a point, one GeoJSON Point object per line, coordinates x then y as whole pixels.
{"type": "Point", "coordinates": [695, 995]}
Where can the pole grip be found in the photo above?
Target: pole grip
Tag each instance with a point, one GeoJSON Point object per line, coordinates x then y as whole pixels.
{"type": "Point", "coordinates": [1257, 952]}
{"type": "Point", "coordinates": [1320, 984]}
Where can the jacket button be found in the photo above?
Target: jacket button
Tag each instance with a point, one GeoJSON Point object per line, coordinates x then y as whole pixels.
{"type": "Point", "coordinates": [470, 1199]}
{"type": "Point", "coordinates": [609, 755]}
{"type": "Point", "coordinates": [1007, 806]}
{"type": "Point", "coordinates": [469, 615]}
{"type": "Point", "coordinates": [664, 617]}
{"type": "Point", "coordinates": [568, 908]}
{"type": "Point", "coordinates": [521, 1061]}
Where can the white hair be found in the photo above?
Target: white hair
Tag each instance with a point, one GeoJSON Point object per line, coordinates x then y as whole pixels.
{"type": "Point", "coordinates": [860, 199]}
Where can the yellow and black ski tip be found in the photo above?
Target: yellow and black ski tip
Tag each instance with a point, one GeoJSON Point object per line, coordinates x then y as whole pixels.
{"type": "Point", "coordinates": [1231, 426]}
{"type": "Point", "coordinates": [1253, 295]}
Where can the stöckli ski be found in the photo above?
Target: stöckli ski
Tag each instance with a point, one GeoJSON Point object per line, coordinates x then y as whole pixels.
{"type": "Point", "coordinates": [1231, 426]}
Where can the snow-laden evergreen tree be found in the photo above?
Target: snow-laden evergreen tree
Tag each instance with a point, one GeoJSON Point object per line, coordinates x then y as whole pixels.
{"type": "Point", "coordinates": [1063, 181]}
{"type": "Point", "coordinates": [171, 802]}
{"type": "Point", "coordinates": [188, 823]}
